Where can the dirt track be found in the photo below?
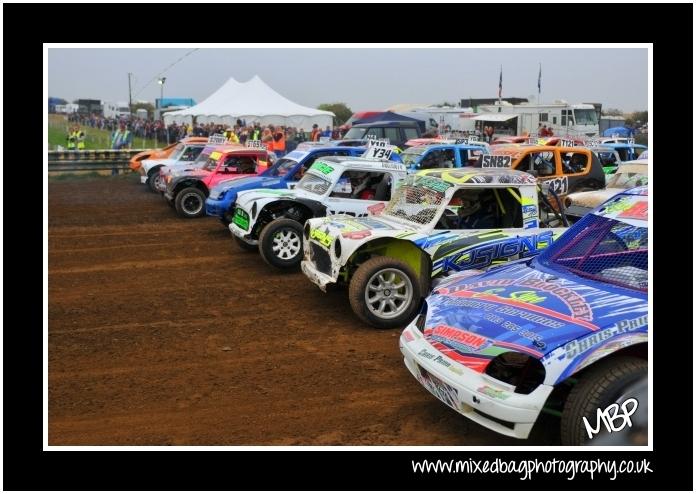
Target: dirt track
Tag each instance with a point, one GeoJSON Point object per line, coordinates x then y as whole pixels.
{"type": "Point", "coordinates": [162, 331]}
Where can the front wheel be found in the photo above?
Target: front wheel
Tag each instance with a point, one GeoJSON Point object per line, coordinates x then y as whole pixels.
{"type": "Point", "coordinates": [597, 389]}
{"type": "Point", "coordinates": [280, 243]}
{"type": "Point", "coordinates": [190, 202]}
{"type": "Point", "coordinates": [154, 179]}
{"type": "Point", "coordinates": [384, 292]}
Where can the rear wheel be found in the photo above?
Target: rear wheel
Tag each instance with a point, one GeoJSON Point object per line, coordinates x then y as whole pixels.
{"type": "Point", "coordinates": [280, 243]}
{"type": "Point", "coordinates": [384, 292]}
{"type": "Point", "coordinates": [190, 202]}
{"type": "Point", "coordinates": [598, 388]}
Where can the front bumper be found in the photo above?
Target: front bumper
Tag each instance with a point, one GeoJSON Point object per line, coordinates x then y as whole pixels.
{"type": "Point", "coordinates": [143, 179]}
{"type": "Point", "coordinates": [241, 233]}
{"type": "Point", "coordinates": [315, 276]}
{"type": "Point", "coordinates": [217, 207]}
{"type": "Point", "coordinates": [462, 389]}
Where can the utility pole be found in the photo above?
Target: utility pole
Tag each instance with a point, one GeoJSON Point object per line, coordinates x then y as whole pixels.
{"type": "Point", "coordinates": [130, 99]}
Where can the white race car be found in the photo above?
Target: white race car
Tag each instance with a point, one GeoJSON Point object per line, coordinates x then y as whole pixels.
{"type": "Point", "coordinates": [438, 221]}
{"type": "Point", "coordinates": [184, 154]}
{"type": "Point", "coordinates": [273, 219]}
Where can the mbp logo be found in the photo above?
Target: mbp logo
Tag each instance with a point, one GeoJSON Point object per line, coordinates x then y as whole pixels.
{"type": "Point", "coordinates": [610, 415]}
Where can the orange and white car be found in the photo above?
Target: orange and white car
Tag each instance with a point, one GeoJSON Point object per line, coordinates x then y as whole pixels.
{"type": "Point", "coordinates": [135, 163]}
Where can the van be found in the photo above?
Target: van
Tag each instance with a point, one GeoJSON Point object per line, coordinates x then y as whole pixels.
{"type": "Point", "coordinates": [397, 132]}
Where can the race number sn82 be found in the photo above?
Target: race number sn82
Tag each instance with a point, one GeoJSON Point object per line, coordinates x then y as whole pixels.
{"type": "Point", "coordinates": [495, 161]}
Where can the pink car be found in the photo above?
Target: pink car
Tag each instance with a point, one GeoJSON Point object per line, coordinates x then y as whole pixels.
{"type": "Point", "coordinates": [187, 189]}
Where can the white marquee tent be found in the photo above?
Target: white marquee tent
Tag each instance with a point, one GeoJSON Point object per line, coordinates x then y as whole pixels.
{"type": "Point", "coordinates": [253, 101]}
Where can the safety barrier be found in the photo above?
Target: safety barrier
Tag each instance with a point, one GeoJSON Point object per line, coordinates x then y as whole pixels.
{"type": "Point", "coordinates": [90, 159]}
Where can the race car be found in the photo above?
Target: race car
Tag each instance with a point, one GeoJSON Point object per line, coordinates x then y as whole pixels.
{"type": "Point", "coordinates": [184, 153]}
{"type": "Point", "coordinates": [564, 332]}
{"type": "Point", "coordinates": [162, 153]}
{"type": "Point", "coordinates": [443, 155]}
{"type": "Point", "coordinates": [565, 169]}
{"type": "Point", "coordinates": [284, 174]}
{"type": "Point", "coordinates": [187, 189]}
{"type": "Point", "coordinates": [437, 222]}
{"type": "Point", "coordinates": [628, 175]}
{"type": "Point", "coordinates": [273, 219]}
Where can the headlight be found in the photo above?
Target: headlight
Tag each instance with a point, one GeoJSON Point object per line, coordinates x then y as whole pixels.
{"type": "Point", "coordinates": [337, 248]}
{"type": "Point", "coordinates": [518, 369]}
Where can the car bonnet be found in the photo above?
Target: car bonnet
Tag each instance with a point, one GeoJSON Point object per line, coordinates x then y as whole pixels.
{"type": "Point", "coordinates": [518, 308]}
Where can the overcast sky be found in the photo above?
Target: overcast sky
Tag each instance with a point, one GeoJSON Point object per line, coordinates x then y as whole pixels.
{"type": "Point", "coordinates": [364, 79]}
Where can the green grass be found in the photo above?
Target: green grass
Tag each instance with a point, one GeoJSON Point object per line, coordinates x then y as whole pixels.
{"type": "Point", "coordinates": [58, 127]}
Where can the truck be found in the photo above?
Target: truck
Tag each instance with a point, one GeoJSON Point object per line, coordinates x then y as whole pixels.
{"type": "Point", "coordinates": [115, 110]}
{"type": "Point", "coordinates": [578, 119]}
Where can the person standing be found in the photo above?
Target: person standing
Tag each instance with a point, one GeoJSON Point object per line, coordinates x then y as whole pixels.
{"type": "Point", "coordinates": [121, 139]}
{"type": "Point", "coordinates": [72, 139]}
{"type": "Point", "coordinates": [279, 141]}
{"type": "Point", "coordinates": [314, 137]}
{"type": "Point", "coordinates": [80, 137]}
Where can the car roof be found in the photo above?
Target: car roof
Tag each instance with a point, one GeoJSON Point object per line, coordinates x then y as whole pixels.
{"type": "Point", "coordinates": [388, 123]}
{"type": "Point", "coordinates": [467, 175]}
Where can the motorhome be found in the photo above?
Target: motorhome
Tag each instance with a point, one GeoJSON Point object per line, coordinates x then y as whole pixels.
{"type": "Point", "coordinates": [564, 118]}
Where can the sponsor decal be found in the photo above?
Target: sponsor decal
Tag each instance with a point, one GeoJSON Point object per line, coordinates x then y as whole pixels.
{"type": "Point", "coordinates": [493, 393]}
{"type": "Point", "coordinates": [578, 347]}
{"type": "Point", "coordinates": [470, 341]}
{"type": "Point", "coordinates": [376, 209]}
{"type": "Point", "coordinates": [484, 255]}
{"type": "Point", "coordinates": [324, 238]}
{"type": "Point", "coordinates": [241, 218]}
{"type": "Point", "coordinates": [357, 235]}
{"type": "Point", "coordinates": [322, 167]}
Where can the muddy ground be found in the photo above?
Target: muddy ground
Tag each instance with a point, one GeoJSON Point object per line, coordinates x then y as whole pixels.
{"type": "Point", "coordinates": [163, 332]}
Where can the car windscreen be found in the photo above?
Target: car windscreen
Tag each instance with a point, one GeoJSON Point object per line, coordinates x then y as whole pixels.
{"type": "Point", "coordinates": [178, 150]}
{"type": "Point", "coordinates": [281, 167]}
{"type": "Point", "coordinates": [604, 249]}
{"type": "Point", "coordinates": [418, 200]}
{"type": "Point", "coordinates": [412, 155]}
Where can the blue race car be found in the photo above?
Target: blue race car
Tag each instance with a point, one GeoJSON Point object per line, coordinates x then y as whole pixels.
{"type": "Point", "coordinates": [284, 174]}
{"type": "Point", "coordinates": [439, 155]}
{"type": "Point", "coordinates": [566, 331]}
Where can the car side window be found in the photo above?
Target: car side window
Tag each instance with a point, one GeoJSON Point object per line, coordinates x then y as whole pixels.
{"type": "Point", "coordinates": [544, 163]}
{"type": "Point", "coordinates": [362, 185]}
{"type": "Point", "coordinates": [574, 163]}
{"type": "Point", "coordinates": [378, 132]}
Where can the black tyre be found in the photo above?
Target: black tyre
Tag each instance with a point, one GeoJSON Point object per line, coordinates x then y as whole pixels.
{"type": "Point", "coordinates": [154, 178]}
{"type": "Point", "coordinates": [190, 202]}
{"type": "Point", "coordinates": [244, 245]}
{"type": "Point", "coordinates": [385, 292]}
{"type": "Point", "coordinates": [599, 387]}
{"type": "Point", "coordinates": [280, 243]}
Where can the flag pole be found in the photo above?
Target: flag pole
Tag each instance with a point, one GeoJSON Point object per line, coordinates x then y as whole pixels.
{"type": "Point", "coordinates": [500, 88]}
{"type": "Point", "coordinates": [539, 86]}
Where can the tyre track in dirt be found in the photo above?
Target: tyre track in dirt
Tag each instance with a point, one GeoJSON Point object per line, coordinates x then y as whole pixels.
{"type": "Point", "coordinates": [162, 331]}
